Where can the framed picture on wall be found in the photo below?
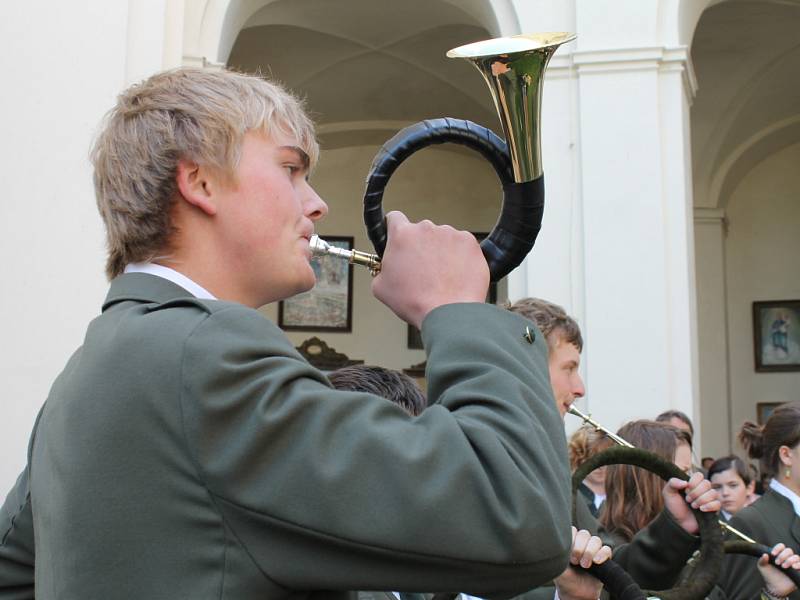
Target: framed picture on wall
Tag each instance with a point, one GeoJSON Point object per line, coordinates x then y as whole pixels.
{"type": "Point", "coordinates": [328, 306]}
{"type": "Point", "coordinates": [776, 335]}
{"type": "Point", "coordinates": [415, 337]}
{"type": "Point", "coordinates": [764, 410]}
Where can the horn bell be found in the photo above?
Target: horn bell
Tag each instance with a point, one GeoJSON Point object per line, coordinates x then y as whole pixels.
{"type": "Point", "coordinates": [513, 68]}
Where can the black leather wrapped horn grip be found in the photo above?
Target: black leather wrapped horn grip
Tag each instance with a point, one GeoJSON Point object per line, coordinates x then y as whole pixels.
{"type": "Point", "coordinates": [709, 564]}
{"type": "Point", "coordinates": [520, 218]}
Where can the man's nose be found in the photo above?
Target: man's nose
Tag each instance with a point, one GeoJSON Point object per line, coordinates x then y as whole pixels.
{"type": "Point", "coordinates": [578, 390]}
{"type": "Point", "coordinates": [315, 207]}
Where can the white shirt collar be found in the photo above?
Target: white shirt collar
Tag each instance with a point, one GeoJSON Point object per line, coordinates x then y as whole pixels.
{"type": "Point", "coordinates": [786, 492]}
{"type": "Point", "coordinates": [172, 275]}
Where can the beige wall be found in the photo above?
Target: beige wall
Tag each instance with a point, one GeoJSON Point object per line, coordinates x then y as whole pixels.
{"type": "Point", "coordinates": [467, 196]}
{"type": "Point", "coordinates": [748, 256]}
{"type": "Point", "coordinates": [763, 247]}
{"type": "Point", "coordinates": [714, 408]}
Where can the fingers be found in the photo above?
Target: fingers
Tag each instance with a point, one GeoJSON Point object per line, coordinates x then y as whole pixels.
{"type": "Point", "coordinates": [426, 266]}
{"type": "Point", "coordinates": [704, 497]}
{"type": "Point", "coordinates": [587, 548]}
{"type": "Point", "coordinates": [698, 492]}
{"type": "Point", "coordinates": [785, 557]}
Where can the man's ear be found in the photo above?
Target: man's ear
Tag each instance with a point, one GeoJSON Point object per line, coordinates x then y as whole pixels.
{"type": "Point", "coordinates": [197, 186]}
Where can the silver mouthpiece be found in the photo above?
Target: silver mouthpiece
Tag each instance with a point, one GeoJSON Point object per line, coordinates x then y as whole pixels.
{"type": "Point", "coordinates": [320, 247]}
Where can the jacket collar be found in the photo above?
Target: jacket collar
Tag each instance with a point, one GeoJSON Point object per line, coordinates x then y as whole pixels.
{"type": "Point", "coordinates": [779, 511]}
{"type": "Point", "coordinates": [143, 287]}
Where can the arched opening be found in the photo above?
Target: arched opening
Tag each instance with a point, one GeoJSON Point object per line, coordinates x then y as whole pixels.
{"type": "Point", "coordinates": [745, 136]}
{"type": "Point", "coordinates": [367, 69]}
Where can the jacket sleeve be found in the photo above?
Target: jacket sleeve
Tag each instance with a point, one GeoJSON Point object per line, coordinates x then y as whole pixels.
{"type": "Point", "coordinates": [17, 549]}
{"type": "Point", "coordinates": [658, 553]}
{"type": "Point", "coordinates": [339, 490]}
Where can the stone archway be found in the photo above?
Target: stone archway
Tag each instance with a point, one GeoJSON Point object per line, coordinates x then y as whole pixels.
{"type": "Point", "coordinates": [212, 26]}
{"type": "Point", "coordinates": [366, 70]}
{"type": "Point", "coordinates": [746, 57]}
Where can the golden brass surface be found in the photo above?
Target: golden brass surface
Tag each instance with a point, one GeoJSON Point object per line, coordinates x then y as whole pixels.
{"type": "Point", "coordinates": [513, 68]}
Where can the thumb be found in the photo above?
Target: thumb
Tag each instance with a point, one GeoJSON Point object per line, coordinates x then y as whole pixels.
{"type": "Point", "coordinates": [395, 219]}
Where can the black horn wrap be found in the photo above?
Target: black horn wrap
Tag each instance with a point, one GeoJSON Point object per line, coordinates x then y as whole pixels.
{"type": "Point", "coordinates": [520, 219]}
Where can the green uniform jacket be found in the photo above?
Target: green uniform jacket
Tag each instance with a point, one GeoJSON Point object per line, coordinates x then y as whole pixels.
{"type": "Point", "coordinates": [188, 451]}
{"type": "Point", "coordinates": [769, 520]}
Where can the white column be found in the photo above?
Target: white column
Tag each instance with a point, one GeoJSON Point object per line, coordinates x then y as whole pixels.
{"type": "Point", "coordinates": [636, 195]}
{"type": "Point", "coordinates": [63, 64]}
{"type": "Point", "coordinates": [714, 400]}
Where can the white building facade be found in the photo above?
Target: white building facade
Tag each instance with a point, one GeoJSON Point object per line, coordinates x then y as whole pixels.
{"type": "Point", "coordinates": [671, 140]}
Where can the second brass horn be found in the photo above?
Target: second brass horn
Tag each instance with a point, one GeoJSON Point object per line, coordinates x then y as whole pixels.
{"type": "Point", "coordinates": [513, 68]}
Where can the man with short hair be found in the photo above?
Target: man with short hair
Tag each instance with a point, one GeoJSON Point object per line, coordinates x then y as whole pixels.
{"type": "Point", "coordinates": [678, 419]}
{"type": "Point", "coordinates": [393, 385]}
{"type": "Point", "coordinates": [656, 555]}
{"type": "Point", "coordinates": [187, 450]}
{"type": "Point", "coordinates": [401, 390]}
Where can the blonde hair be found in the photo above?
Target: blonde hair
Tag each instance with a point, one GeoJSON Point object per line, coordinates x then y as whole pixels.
{"type": "Point", "coordinates": [584, 443]}
{"type": "Point", "coordinates": [183, 114]}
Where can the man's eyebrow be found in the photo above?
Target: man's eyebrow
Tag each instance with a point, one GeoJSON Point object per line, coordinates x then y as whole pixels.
{"type": "Point", "coordinates": [301, 154]}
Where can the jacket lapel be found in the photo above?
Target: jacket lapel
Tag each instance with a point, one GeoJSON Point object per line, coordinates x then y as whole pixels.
{"type": "Point", "coordinates": [779, 511]}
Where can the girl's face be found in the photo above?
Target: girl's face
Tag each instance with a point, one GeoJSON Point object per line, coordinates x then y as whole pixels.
{"type": "Point", "coordinates": [731, 489]}
{"type": "Point", "coordinates": [683, 457]}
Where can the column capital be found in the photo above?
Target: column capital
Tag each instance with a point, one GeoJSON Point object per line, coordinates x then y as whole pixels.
{"type": "Point", "coordinates": [709, 216]}
{"type": "Point", "coordinates": [661, 58]}
{"type": "Point", "coordinates": [201, 62]}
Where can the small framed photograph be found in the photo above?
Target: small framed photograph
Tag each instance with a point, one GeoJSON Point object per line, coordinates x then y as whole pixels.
{"type": "Point", "coordinates": [776, 335]}
{"type": "Point", "coordinates": [764, 410]}
{"type": "Point", "coordinates": [328, 306]}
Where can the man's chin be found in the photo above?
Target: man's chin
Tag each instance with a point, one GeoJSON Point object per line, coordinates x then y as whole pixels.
{"type": "Point", "coordinates": [307, 283]}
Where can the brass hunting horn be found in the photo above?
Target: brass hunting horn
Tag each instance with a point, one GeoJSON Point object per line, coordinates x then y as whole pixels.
{"type": "Point", "coordinates": [513, 68]}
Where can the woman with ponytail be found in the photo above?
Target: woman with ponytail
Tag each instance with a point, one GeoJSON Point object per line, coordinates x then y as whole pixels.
{"type": "Point", "coordinates": [776, 516]}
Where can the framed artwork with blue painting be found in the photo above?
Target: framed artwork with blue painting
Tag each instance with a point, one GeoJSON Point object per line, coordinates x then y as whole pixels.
{"type": "Point", "coordinates": [776, 335]}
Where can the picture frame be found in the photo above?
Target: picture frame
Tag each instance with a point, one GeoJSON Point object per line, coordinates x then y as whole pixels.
{"type": "Point", "coordinates": [328, 306]}
{"type": "Point", "coordinates": [414, 336]}
{"type": "Point", "coordinates": [776, 335]}
{"type": "Point", "coordinates": [764, 410]}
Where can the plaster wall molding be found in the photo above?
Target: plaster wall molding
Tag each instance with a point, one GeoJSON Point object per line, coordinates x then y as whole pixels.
{"type": "Point", "coordinates": [709, 216]}
{"type": "Point", "coordinates": [201, 62]}
{"type": "Point", "coordinates": [656, 58]}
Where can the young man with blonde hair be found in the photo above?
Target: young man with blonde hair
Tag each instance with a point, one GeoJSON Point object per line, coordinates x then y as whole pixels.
{"type": "Point", "coordinates": [188, 451]}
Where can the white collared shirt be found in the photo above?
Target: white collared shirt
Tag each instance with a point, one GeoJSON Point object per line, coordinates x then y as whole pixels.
{"type": "Point", "coordinates": [172, 275]}
{"type": "Point", "coordinates": [786, 493]}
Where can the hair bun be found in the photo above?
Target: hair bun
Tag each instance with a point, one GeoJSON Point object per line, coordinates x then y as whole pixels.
{"type": "Point", "coordinates": [751, 437]}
